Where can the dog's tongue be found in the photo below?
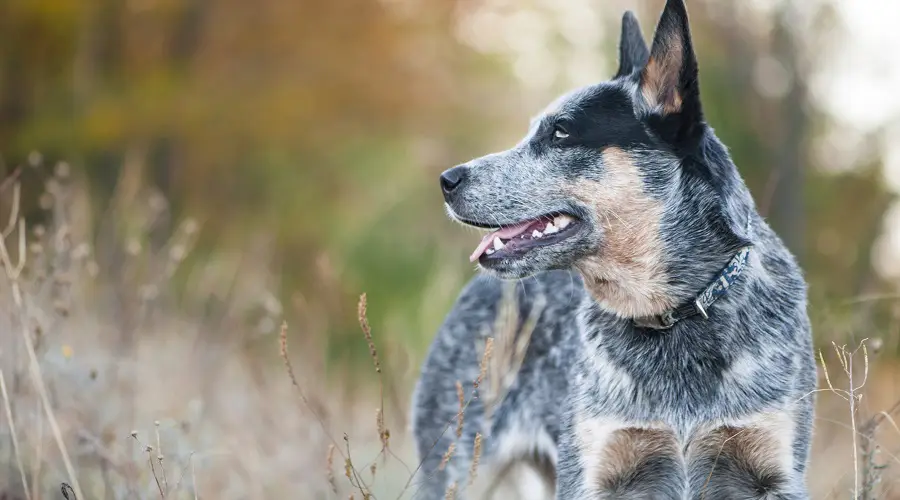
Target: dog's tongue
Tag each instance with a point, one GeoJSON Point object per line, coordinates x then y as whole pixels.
{"type": "Point", "coordinates": [506, 233]}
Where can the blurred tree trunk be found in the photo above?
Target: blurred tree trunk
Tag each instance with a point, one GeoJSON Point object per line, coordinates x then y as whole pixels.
{"type": "Point", "coordinates": [788, 209]}
{"type": "Point", "coordinates": [13, 84]}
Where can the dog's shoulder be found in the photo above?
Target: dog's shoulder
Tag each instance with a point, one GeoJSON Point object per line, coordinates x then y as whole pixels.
{"type": "Point", "coordinates": [543, 307]}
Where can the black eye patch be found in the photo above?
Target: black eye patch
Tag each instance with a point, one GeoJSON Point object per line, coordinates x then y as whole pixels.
{"type": "Point", "coordinates": [593, 118]}
{"type": "Point", "coordinates": [603, 116]}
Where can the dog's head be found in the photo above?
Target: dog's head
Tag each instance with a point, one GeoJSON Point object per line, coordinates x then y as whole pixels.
{"type": "Point", "coordinates": [622, 180]}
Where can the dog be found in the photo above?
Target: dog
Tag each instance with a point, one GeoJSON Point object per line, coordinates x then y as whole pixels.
{"type": "Point", "coordinates": [669, 350]}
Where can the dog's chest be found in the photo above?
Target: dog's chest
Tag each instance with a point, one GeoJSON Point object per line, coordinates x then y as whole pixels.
{"type": "Point", "coordinates": [677, 420]}
{"type": "Point", "coordinates": [613, 454]}
{"type": "Point", "coordinates": [679, 377]}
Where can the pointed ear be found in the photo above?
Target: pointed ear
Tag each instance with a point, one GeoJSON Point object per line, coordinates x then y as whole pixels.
{"type": "Point", "coordinates": [669, 83]}
{"type": "Point", "coordinates": [633, 51]}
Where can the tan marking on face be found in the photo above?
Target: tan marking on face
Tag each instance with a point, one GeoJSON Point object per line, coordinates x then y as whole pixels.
{"type": "Point", "coordinates": [659, 80]}
{"type": "Point", "coordinates": [610, 450]}
{"type": "Point", "coordinates": [627, 274]}
{"type": "Point", "coordinates": [763, 443]}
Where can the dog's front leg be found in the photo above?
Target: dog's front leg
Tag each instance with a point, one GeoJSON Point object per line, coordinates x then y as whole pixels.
{"type": "Point", "coordinates": [602, 458]}
{"type": "Point", "coordinates": [751, 458]}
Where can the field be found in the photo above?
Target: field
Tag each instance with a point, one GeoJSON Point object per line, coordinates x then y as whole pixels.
{"type": "Point", "coordinates": [116, 386]}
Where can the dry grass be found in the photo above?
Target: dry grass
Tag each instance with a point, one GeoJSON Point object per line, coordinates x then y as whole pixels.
{"type": "Point", "coordinates": [476, 458]}
{"type": "Point", "coordinates": [870, 479]}
{"type": "Point", "coordinates": [115, 387]}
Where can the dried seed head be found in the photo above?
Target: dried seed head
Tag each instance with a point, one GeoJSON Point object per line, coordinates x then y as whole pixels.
{"type": "Point", "coordinates": [450, 494]}
{"type": "Point", "coordinates": [462, 408]}
{"type": "Point", "coordinates": [134, 434]}
{"type": "Point", "coordinates": [367, 331]}
{"type": "Point", "coordinates": [476, 456]}
{"type": "Point", "coordinates": [379, 420]}
{"type": "Point", "coordinates": [383, 433]}
{"type": "Point", "coordinates": [329, 473]}
{"type": "Point", "coordinates": [447, 456]}
{"type": "Point", "coordinates": [485, 359]}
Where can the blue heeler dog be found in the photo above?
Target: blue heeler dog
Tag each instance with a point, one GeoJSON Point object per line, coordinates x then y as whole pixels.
{"type": "Point", "coordinates": [669, 353]}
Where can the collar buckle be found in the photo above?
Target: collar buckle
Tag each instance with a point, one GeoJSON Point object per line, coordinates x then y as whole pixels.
{"type": "Point", "coordinates": [661, 322]}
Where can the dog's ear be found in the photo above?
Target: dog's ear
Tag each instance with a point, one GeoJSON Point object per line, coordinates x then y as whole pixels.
{"type": "Point", "coordinates": [633, 51]}
{"type": "Point", "coordinates": [669, 84]}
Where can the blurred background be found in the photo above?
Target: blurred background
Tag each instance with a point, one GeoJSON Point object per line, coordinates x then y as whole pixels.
{"type": "Point", "coordinates": [194, 172]}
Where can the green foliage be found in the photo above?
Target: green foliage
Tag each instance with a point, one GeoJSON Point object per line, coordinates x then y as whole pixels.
{"type": "Point", "coordinates": [323, 125]}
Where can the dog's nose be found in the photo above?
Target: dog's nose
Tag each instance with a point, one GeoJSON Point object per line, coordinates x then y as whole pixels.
{"type": "Point", "coordinates": [451, 179]}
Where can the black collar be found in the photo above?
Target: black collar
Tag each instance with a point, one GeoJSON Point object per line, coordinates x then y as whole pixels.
{"type": "Point", "coordinates": [704, 301]}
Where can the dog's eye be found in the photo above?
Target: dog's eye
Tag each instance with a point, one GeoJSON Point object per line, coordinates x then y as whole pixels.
{"type": "Point", "coordinates": [560, 133]}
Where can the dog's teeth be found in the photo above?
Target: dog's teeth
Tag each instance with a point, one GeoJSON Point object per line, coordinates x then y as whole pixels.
{"type": "Point", "coordinates": [536, 234]}
{"type": "Point", "coordinates": [562, 221]}
{"type": "Point", "coordinates": [489, 251]}
{"type": "Point", "coordinates": [498, 245]}
{"type": "Point", "coordinates": [550, 229]}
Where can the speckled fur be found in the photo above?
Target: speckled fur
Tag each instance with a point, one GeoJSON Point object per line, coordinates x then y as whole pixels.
{"type": "Point", "coordinates": [717, 408]}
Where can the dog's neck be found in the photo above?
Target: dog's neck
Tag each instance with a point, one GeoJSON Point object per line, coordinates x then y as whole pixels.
{"type": "Point", "coordinates": [653, 272]}
{"type": "Point", "coordinates": [646, 294]}
{"type": "Point", "coordinates": [705, 300]}
{"type": "Point", "coordinates": [692, 270]}
{"type": "Point", "coordinates": [661, 247]}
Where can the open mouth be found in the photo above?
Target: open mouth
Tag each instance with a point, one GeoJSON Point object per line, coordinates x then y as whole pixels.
{"type": "Point", "coordinates": [516, 240]}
